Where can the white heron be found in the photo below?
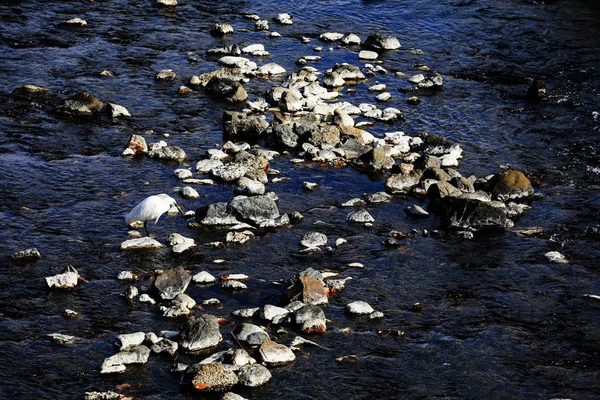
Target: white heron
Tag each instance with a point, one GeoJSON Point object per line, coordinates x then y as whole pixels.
{"type": "Point", "coordinates": [151, 208]}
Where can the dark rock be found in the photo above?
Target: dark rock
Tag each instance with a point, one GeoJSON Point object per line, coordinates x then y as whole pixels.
{"type": "Point", "coordinates": [460, 213]}
{"type": "Point", "coordinates": [238, 126]}
{"type": "Point", "coordinates": [217, 214]}
{"type": "Point", "coordinates": [254, 210]}
{"type": "Point", "coordinates": [436, 173]}
{"type": "Point", "coordinates": [30, 93]}
{"type": "Point", "coordinates": [201, 334]}
{"type": "Point", "coordinates": [437, 145]}
{"type": "Point", "coordinates": [323, 135]}
{"type": "Point", "coordinates": [427, 161]}
{"type": "Point", "coordinates": [228, 89]}
{"type": "Point", "coordinates": [442, 189]}
{"type": "Point", "coordinates": [80, 105]}
{"type": "Point", "coordinates": [379, 41]}
{"type": "Point", "coordinates": [462, 184]}
{"type": "Point", "coordinates": [537, 91]}
{"type": "Point", "coordinates": [172, 282]}
{"type": "Point", "coordinates": [282, 135]}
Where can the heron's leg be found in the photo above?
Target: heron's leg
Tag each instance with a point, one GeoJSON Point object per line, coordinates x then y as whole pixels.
{"type": "Point", "coordinates": [146, 228]}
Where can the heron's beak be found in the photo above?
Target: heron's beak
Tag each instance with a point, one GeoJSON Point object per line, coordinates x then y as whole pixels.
{"type": "Point", "coordinates": [180, 209]}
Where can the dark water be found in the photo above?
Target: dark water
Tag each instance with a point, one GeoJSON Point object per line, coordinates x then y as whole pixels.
{"type": "Point", "coordinates": [498, 320]}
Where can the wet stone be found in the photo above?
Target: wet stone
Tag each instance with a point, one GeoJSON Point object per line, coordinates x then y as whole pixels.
{"type": "Point", "coordinates": [359, 308]}
{"type": "Point", "coordinates": [82, 104]}
{"type": "Point", "coordinates": [311, 319]}
{"type": "Point", "coordinates": [251, 334]}
{"type": "Point", "coordinates": [28, 254]}
{"type": "Point", "coordinates": [233, 285]}
{"type": "Point", "coordinates": [313, 239]}
{"type": "Point", "coordinates": [129, 340]}
{"type": "Point", "coordinates": [102, 396]}
{"type": "Point", "coordinates": [204, 277]}
{"type": "Point", "coordinates": [116, 363]}
{"type": "Point", "coordinates": [274, 314]}
{"type": "Point", "coordinates": [200, 334]}
{"type": "Point", "coordinates": [254, 375]}
{"type": "Point", "coordinates": [67, 279]}
{"type": "Point", "coordinates": [360, 216]}
{"type": "Point", "coordinates": [274, 354]}
{"type": "Point", "coordinates": [172, 282]}
{"type": "Point", "coordinates": [165, 346]}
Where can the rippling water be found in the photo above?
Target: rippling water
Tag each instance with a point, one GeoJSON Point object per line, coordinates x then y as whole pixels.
{"type": "Point", "coordinates": [498, 320]}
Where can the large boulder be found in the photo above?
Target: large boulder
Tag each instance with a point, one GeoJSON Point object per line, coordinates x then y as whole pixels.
{"type": "Point", "coordinates": [254, 210]}
{"type": "Point", "coordinates": [217, 214]}
{"type": "Point", "coordinates": [469, 214]}
{"type": "Point", "coordinates": [201, 334]}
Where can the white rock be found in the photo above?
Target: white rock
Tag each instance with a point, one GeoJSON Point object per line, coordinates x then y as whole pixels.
{"type": "Point", "coordinates": [271, 69]}
{"type": "Point", "coordinates": [182, 173]}
{"type": "Point", "coordinates": [368, 55]}
{"type": "Point", "coordinates": [274, 314]}
{"type": "Point", "coordinates": [129, 340]}
{"type": "Point", "coordinates": [204, 277]}
{"type": "Point", "coordinates": [126, 276]}
{"type": "Point", "coordinates": [67, 279]}
{"type": "Point", "coordinates": [145, 298]}
{"type": "Point", "coordinates": [340, 241]}
{"type": "Point", "coordinates": [253, 48]}
{"type": "Point", "coordinates": [331, 36]}
{"type": "Point", "coordinates": [556, 257]}
{"type": "Point", "coordinates": [233, 285]}
{"type": "Point", "coordinates": [77, 21]}
{"type": "Point", "coordinates": [140, 243]}
{"type": "Point", "coordinates": [284, 19]}
{"type": "Point", "coordinates": [385, 96]}
{"type": "Point", "coordinates": [117, 111]}
{"type": "Point", "coordinates": [361, 216]}
{"type": "Point", "coordinates": [378, 88]}
{"type": "Point", "coordinates": [188, 192]}
{"type": "Point", "coordinates": [351, 39]}
{"type": "Point", "coordinates": [359, 308]}
{"type": "Point", "coordinates": [238, 62]}
{"type": "Point", "coordinates": [416, 78]}
{"type": "Point", "coordinates": [245, 312]}
{"type": "Point", "coordinates": [313, 239]}
{"type": "Point", "coordinates": [417, 210]}
{"type": "Point", "coordinates": [169, 3]}
{"type": "Point", "coordinates": [205, 166]}
{"type": "Point", "coordinates": [62, 338]}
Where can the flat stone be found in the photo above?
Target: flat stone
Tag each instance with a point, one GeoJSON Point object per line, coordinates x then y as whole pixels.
{"type": "Point", "coordinates": [313, 239]}
{"type": "Point", "coordinates": [274, 354]}
{"type": "Point", "coordinates": [360, 216]}
{"type": "Point", "coordinates": [204, 277]}
{"type": "Point", "coordinates": [368, 55]}
{"type": "Point", "coordinates": [130, 340]}
{"type": "Point", "coordinates": [117, 362]}
{"type": "Point", "coordinates": [359, 308]}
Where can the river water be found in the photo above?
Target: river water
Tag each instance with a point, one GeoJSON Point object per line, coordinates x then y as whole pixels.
{"type": "Point", "coordinates": [498, 320]}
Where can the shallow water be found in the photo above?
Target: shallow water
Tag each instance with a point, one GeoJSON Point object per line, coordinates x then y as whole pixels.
{"type": "Point", "coordinates": [498, 320]}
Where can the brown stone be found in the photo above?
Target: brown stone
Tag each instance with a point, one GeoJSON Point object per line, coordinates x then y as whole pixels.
{"type": "Point", "coordinates": [313, 290]}
{"type": "Point", "coordinates": [510, 184]}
